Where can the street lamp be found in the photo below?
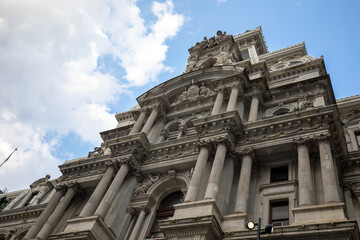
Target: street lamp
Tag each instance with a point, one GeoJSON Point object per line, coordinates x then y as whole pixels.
{"type": "Point", "coordinates": [251, 225]}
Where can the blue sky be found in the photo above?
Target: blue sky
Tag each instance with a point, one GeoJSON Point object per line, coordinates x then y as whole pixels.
{"type": "Point", "coordinates": [66, 68]}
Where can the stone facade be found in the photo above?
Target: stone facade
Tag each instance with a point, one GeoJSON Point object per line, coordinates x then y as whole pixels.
{"type": "Point", "coordinates": [243, 134]}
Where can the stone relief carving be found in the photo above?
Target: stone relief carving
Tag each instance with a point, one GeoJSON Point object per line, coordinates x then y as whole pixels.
{"type": "Point", "coordinates": [306, 101]}
{"type": "Point", "coordinates": [284, 63]}
{"type": "Point", "coordinates": [192, 61]}
{"type": "Point", "coordinates": [217, 50]}
{"type": "Point", "coordinates": [143, 187]}
{"type": "Point", "coordinates": [193, 92]}
{"type": "Point", "coordinates": [226, 56]}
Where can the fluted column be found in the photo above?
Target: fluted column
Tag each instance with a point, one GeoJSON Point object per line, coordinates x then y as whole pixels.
{"type": "Point", "coordinates": [212, 188]}
{"type": "Point", "coordinates": [150, 121]}
{"type": "Point", "coordinates": [233, 98]}
{"type": "Point", "coordinates": [306, 187]}
{"type": "Point", "coordinates": [218, 102]}
{"type": "Point", "coordinates": [193, 189]}
{"type": "Point", "coordinates": [139, 223]}
{"type": "Point", "coordinates": [112, 190]}
{"type": "Point", "coordinates": [40, 221]}
{"type": "Point", "coordinates": [328, 175]}
{"type": "Point", "coordinates": [139, 122]}
{"type": "Point", "coordinates": [99, 191]}
{"type": "Point", "coordinates": [242, 196]}
{"type": "Point", "coordinates": [58, 212]}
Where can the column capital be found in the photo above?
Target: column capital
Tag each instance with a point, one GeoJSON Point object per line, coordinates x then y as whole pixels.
{"type": "Point", "coordinates": [111, 163]}
{"type": "Point", "coordinates": [131, 210]}
{"type": "Point", "coordinates": [220, 140]}
{"type": "Point", "coordinates": [323, 138]}
{"type": "Point", "coordinates": [302, 141]}
{"type": "Point", "coordinates": [247, 152]}
{"type": "Point", "coordinates": [220, 89]}
{"type": "Point", "coordinates": [60, 187]}
{"type": "Point", "coordinates": [204, 143]}
{"type": "Point", "coordinates": [237, 86]}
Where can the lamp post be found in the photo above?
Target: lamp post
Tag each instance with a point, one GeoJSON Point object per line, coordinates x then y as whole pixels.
{"type": "Point", "coordinates": [251, 225]}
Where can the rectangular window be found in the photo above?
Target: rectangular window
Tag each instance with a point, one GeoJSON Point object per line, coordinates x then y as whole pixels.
{"type": "Point", "coordinates": [279, 174]}
{"type": "Point", "coordinates": [245, 54]}
{"type": "Point", "coordinates": [279, 212]}
{"type": "Point", "coordinates": [357, 136]}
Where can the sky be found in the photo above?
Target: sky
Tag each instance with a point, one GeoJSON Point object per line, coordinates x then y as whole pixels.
{"type": "Point", "coordinates": [67, 67]}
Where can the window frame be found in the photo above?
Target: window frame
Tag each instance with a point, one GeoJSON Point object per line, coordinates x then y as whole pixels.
{"type": "Point", "coordinates": [272, 175]}
{"type": "Point", "coordinates": [279, 203]}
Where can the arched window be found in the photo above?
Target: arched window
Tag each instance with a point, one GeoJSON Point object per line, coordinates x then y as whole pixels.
{"type": "Point", "coordinates": [173, 131]}
{"type": "Point", "coordinates": [190, 128]}
{"type": "Point", "coordinates": [166, 210]}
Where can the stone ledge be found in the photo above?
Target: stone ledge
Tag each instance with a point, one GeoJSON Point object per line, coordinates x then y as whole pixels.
{"type": "Point", "coordinates": [197, 209]}
{"type": "Point", "coordinates": [89, 226]}
{"type": "Point", "coordinates": [234, 222]}
{"type": "Point", "coordinates": [329, 212]}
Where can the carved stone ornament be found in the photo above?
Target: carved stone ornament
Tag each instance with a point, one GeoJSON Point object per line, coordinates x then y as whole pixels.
{"type": "Point", "coordinates": [247, 152]}
{"type": "Point", "coordinates": [302, 141]}
{"type": "Point", "coordinates": [143, 187]}
{"type": "Point", "coordinates": [323, 138]}
{"type": "Point", "coordinates": [226, 56]}
{"type": "Point", "coordinates": [98, 151]}
{"type": "Point", "coordinates": [193, 92]}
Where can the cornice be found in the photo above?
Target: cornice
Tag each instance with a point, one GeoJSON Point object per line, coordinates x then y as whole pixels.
{"type": "Point", "coordinates": [283, 51]}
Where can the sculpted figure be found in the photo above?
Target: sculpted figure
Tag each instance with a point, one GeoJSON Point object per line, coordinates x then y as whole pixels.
{"type": "Point", "coordinates": [143, 187]}
{"type": "Point", "coordinates": [225, 56]}
{"type": "Point", "coordinates": [183, 96]}
{"type": "Point", "coordinates": [192, 60]}
{"type": "Point", "coordinates": [212, 42]}
{"type": "Point", "coordinates": [204, 91]}
{"type": "Point", "coordinates": [98, 151]}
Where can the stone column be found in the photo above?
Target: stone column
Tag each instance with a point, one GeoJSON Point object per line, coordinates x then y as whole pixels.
{"type": "Point", "coordinates": [254, 108]}
{"type": "Point", "coordinates": [139, 223]}
{"type": "Point", "coordinates": [328, 175]}
{"type": "Point", "coordinates": [233, 98]}
{"type": "Point", "coordinates": [193, 190]}
{"type": "Point", "coordinates": [150, 121]}
{"type": "Point", "coordinates": [112, 190]}
{"type": "Point", "coordinates": [40, 195]}
{"type": "Point", "coordinates": [306, 187]}
{"type": "Point", "coordinates": [58, 212]}
{"type": "Point", "coordinates": [242, 196]}
{"type": "Point", "coordinates": [218, 102]}
{"type": "Point", "coordinates": [25, 199]}
{"type": "Point", "coordinates": [99, 191]}
{"type": "Point", "coordinates": [139, 122]}
{"type": "Point", "coordinates": [181, 132]}
{"type": "Point", "coordinates": [40, 221]}
{"type": "Point", "coordinates": [241, 109]}
{"type": "Point", "coordinates": [212, 188]}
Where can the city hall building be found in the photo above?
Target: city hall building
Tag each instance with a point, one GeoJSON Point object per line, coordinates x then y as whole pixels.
{"type": "Point", "coordinates": [243, 134]}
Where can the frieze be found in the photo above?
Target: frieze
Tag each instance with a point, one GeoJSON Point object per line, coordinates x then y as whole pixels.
{"type": "Point", "coordinates": [291, 125]}
{"type": "Point", "coordinates": [172, 152]}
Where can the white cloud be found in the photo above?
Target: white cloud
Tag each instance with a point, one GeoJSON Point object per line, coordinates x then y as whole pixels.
{"type": "Point", "coordinates": [49, 52]}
